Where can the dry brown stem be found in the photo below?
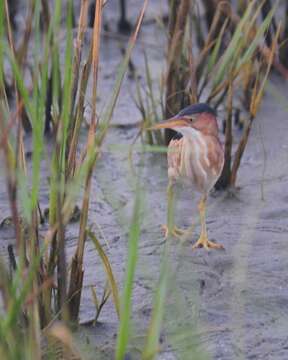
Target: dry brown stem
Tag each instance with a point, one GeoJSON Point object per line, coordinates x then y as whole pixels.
{"type": "Point", "coordinates": [179, 13]}
{"type": "Point", "coordinates": [224, 179]}
{"type": "Point", "coordinates": [76, 277]}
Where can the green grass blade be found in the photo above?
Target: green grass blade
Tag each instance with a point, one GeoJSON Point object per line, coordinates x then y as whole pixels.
{"type": "Point", "coordinates": [214, 54]}
{"type": "Point", "coordinates": [21, 85]}
{"type": "Point", "coordinates": [108, 269]}
{"type": "Point", "coordinates": [152, 344]}
{"type": "Point", "coordinates": [19, 300]}
{"type": "Point", "coordinates": [233, 49]}
{"type": "Point", "coordinates": [259, 35]}
{"type": "Point", "coordinates": [134, 235]}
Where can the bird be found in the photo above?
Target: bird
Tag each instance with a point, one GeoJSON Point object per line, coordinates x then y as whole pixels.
{"type": "Point", "coordinates": [195, 156]}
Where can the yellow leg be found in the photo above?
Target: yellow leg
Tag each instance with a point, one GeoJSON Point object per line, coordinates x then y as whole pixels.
{"type": "Point", "coordinates": [203, 239]}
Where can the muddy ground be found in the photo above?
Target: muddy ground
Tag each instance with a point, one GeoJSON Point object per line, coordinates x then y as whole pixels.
{"type": "Point", "coordinates": [230, 304]}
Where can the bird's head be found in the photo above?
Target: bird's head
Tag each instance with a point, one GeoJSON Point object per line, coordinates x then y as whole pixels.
{"type": "Point", "coordinates": [198, 116]}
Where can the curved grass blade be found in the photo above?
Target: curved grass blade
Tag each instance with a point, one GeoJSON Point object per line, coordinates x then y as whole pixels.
{"type": "Point", "coordinates": [234, 46]}
{"type": "Point", "coordinates": [108, 269]}
{"type": "Point", "coordinates": [259, 35]}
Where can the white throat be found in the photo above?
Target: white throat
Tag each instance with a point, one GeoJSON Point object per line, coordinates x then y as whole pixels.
{"type": "Point", "coordinates": [187, 131]}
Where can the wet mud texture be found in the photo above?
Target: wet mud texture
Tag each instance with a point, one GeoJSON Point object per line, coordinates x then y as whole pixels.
{"type": "Point", "coordinates": [226, 305]}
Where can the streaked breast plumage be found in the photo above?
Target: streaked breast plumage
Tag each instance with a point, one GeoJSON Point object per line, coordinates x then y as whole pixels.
{"type": "Point", "coordinates": [196, 158]}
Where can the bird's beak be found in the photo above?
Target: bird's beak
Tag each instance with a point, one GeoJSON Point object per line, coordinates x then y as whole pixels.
{"type": "Point", "coordinates": [171, 124]}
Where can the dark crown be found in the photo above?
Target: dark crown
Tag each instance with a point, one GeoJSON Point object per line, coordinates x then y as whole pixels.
{"type": "Point", "coordinates": [197, 109]}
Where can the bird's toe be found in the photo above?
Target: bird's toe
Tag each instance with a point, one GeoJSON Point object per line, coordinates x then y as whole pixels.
{"type": "Point", "coordinates": [207, 244]}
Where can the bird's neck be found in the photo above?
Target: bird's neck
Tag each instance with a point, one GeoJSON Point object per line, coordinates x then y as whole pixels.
{"type": "Point", "coordinates": [207, 124]}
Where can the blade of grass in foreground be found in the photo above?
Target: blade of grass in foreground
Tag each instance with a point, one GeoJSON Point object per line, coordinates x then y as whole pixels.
{"type": "Point", "coordinates": [152, 342]}
{"type": "Point", "coordinates": [123, 333]}
{"type": "Point", "coordinates": [108, 269]}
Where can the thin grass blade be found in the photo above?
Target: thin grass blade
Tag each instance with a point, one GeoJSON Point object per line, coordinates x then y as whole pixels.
{"type": "Point", "coordinates": [108, 269]}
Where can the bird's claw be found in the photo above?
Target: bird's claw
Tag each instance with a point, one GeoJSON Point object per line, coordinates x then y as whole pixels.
{"type": "Point", "coordinates": [176, 232]}
{"type": "Point", "coordinates": [207, 244]}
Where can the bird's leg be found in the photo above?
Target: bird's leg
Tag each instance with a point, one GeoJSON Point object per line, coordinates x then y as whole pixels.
{"type": "Point", "coordinates": [176, 232]}
{"type": "Point", "coordinates": [203, 239]}
{"type": "Point", "coordinates": [171, 228]}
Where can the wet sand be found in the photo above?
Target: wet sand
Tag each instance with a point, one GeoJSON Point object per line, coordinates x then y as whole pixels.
{"type": "Point", "coordinates": [228, 304]}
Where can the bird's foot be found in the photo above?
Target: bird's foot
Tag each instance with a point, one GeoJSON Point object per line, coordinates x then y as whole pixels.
{"type": "Point", "coordinates": [176, 232]}
{"type": "Point", "coordinates": [207, 244]}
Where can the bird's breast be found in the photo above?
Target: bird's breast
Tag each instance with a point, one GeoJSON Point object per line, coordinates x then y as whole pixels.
{"type": "Point", "coordinates": [196, 158]}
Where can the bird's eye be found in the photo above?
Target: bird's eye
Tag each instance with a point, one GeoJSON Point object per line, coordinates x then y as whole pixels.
{"type": "Point", "coordinates": [188, 117]}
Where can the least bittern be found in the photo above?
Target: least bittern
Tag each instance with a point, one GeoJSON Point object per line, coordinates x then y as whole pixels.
{"type": "Point", "coordinates": [195, 155]}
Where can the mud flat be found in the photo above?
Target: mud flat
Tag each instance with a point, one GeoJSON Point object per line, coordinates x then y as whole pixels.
{"type": "Point", "coordinates": [228, 304]}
